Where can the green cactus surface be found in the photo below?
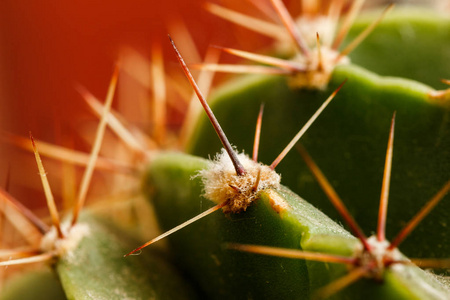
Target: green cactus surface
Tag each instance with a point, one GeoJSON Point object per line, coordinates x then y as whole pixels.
{"type": "Point", "coordinates": [411, 43]}
{"type": "Point", "coordinates": [34, 285]}
{"type": "Point", "coordinates": [96, 268]}
{"type": "Point", "coordinates": [349, 142]}
{"type": "Point", "coordinates": [279, 218]}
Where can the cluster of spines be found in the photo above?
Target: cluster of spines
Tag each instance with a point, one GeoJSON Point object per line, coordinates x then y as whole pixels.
{"type": "Point", "coordinates": [366, 262]}
{"type": "Point", "coordinates": [238, 166]}
{"type": "Point", "coordinates": [311, 66]}
{"type": "Point", "coordinates": [37, 253]}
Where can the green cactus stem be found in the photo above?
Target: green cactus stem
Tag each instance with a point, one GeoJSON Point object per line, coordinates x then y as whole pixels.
{"type": "Point", "coordinates": [96, 268]}
{"type": "Point", "coordinates": [411, 43]}
{"type": "Point", "coordinates": [34, 285]}
{"type": "Point", "coordinates": [348, 140]}
{"type": "Point", "coordinates": [278, 218]}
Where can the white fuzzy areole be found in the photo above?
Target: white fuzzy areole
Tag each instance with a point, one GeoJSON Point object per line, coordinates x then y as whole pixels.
{"type": "Point", "coordinates": [221, 183]}
{"type": "Point", "coordinates": [374, 260]}
{"type": "Point", "coordinates": [72, 237]}
{"type": "Point", "coordinates": [313, 77]}
{"type": "Point", "coordinates": [310, 25]}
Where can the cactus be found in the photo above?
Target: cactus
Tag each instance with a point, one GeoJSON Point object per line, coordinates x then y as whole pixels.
{"type": "Point", "coordinates": [295, 219]}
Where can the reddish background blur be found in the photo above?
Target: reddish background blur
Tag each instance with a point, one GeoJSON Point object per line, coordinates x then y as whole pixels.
{"type": "Point", "coordinates": [48, 46]}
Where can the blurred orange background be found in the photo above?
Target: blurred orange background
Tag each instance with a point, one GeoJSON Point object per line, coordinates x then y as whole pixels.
{"type": "Point", "coordinates": [48, 46]}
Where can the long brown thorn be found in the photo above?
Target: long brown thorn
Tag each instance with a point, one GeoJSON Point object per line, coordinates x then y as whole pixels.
{"type": "Point", "coordinates": [304, 128]}
{"type": "Point", "coordinates": [179, 30]}
{"type": "Point", "coordinates": [264, 59]}
{"type": "Point", "coordinates": [68, 155]}
{"type": "Point", "coordinates": [257, 25]}
{"type": "Point", "coordinates": [257, 133]}
{"type": "Point", "coordinates": [28, 260]}
{"type": "Point", "coordinates": [334, 12]}
{"type": "Point", "coordinates": [319, 54]}
{"type": "Point", "coordinates": [339, 284]}
{"type": "Point", "coordinates": [113, 122]}
{"type": "Point", "coordinates": [350, 47]}
{"type": "Point", "coordinates": [22, 218]}
{"type": "Point", "coordinates": [242, 69]}
{"type": "Point", "coordinates": [159, 95]}
{"type": "Point", "coordinates": [47, 190]}
{"type": "Point", "coordinates": [293, 253]}
{"type": "Point", "coordinates": [265, 8]}
{"type": "Point", "coordinates": [434, 263]}
{"type": "Point", "coordinates": [347, 23]}
{"type": "Point", "coordinates": [382, 212]}
{"type": "Point", "coordinates": [182, 225]}
{"type": "Point", "coordinates": [257, 181]}
{"type": "Point", "coordinates": [87, 176]}
{"type": "Point", "coordinates": [18, 252]}
{"type": "Point", "coordinates": [420, 216]}
{"type": "Point", "coordinates": [194, 109]}
{"type": "Point", "coordinates": [291, 26]}
{"type": "Point", "coordinates": [334, 198]}
{"type": "Point", "coordinates": [445, 81]}
{"type": "Point", "coordinates": [226, 144]}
